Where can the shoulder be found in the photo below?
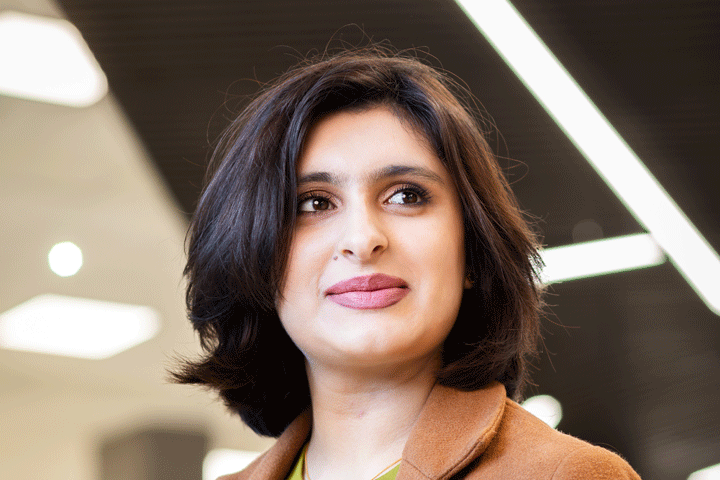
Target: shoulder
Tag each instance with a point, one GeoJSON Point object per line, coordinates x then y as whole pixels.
{"type": "Point", "coordinates": [540, 451]}
{"type": "Point", "coordinates": [588, 461]}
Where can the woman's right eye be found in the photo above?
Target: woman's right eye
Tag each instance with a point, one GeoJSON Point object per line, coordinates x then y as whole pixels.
{"type": "Point", "coordinates": [314, 204]}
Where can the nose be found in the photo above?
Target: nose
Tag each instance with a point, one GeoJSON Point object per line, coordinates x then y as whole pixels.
{"type": "Point", "coordinates": [363, 237]}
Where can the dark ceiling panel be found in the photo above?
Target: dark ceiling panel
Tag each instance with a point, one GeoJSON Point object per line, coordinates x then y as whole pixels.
{"type": "Point", "coordinates": [637, 362]}
{"type": "Point", "coordinates": [653, 70]}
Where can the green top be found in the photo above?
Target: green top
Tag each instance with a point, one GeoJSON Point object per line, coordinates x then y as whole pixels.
{"type": "Point", "coordinates": [297, 472]}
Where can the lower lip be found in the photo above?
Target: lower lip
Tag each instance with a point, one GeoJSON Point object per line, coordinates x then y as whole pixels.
{"type": "Point", "coordinates": [369, 300]}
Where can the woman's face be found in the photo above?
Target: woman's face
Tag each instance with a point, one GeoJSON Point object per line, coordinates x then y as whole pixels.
{"type": "Point", "coordinates": [377, 261]}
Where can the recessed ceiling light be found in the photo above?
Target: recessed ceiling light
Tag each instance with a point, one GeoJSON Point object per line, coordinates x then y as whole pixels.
{"type": "Point", "coordinates": [546, 408]}
{"type": "Point", "coordinates": [600, 257]}
{"type": "Point", "coordinates": [76, 327]}
{"type": "Point", "coordinates": [46, 59]}
{"type": "Point", "coordinates": [586, 231]}
{"type": "Point", "coordinates": [65, 259]}
{"type": "Point", "coordinates": [601, 145]}
{"type": "Point", "coordinates": [709, 473]}
{"type": "Point", "coordinates": [222, 461]}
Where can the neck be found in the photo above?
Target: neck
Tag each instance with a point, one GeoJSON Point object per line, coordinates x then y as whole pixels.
{"type": "Point", "coordinates": [362, 419]}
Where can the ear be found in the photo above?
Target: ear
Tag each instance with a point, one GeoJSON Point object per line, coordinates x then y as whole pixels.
{"type": "Point", "coordinates": [468, 283]}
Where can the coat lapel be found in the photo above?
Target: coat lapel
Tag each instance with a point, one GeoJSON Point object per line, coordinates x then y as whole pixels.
{"type": "Point", "coordinates": [276, 463]}
{"type": "Point", "coordinates": [453, 429]}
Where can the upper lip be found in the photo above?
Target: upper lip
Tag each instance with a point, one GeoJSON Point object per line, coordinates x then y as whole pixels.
{"type": "Point", "coordinates": [367, 283]}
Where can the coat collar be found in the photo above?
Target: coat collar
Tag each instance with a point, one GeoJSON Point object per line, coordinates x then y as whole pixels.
{"type": "Point", "coordinates": [453, 429]}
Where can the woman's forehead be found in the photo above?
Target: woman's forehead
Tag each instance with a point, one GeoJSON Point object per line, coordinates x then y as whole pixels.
{"type": "Point", "coordinates": [366, 145]}
{"type": "Point", "coordinates": [370, 177]}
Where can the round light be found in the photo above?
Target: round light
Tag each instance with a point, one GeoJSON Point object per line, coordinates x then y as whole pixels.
{"type": "Point", "coordinates": [65, 259]}
{"type": "Point", "coordinates": [545, 407]}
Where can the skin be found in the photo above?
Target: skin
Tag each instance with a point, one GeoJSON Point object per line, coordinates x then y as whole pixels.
{"type": "Point", "coordinates": [372, 198]}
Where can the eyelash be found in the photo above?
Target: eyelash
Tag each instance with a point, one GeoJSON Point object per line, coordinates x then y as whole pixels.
{"type": "Point", "coordinates": [422, 194]}
{"type": "Point", "coordinates": [312, 196]}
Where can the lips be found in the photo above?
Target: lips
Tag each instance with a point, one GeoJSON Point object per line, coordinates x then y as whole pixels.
{"type": "Point", "coordinates": [368, 292]}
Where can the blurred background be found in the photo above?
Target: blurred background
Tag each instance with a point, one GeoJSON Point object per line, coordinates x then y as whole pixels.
{"type": "Point", "coordinates": [633, 358]}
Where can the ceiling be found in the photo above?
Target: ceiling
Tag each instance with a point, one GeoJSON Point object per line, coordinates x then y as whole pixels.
{"type": "Point", "coordinates": [633, 357]}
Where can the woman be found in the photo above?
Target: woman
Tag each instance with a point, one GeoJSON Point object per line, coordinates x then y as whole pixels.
{"type": "Point", "coordinates": [365, 285]}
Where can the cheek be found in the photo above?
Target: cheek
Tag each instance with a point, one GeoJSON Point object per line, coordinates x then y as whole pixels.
{"type": "Point", "coordinates": [440, 247]}
{"type": "Point", "coordinates": [307, 255]}
{"type": "Point", "coordinates": [299, 298]}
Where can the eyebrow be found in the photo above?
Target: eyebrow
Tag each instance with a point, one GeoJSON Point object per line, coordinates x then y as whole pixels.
{"type": "Point", "coordinates": [380, 174]}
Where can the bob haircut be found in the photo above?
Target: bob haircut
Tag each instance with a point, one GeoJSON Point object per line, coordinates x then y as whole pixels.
{"type": "Point", "coordinates": [240, 234]}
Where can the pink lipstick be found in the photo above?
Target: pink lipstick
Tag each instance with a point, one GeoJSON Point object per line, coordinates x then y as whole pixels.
{"type": "Point", "coordinates": [368, 292]}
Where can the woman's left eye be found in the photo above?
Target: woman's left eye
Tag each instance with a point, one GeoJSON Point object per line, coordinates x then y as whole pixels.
{"type": "Point", "coordinates": [408, 196]}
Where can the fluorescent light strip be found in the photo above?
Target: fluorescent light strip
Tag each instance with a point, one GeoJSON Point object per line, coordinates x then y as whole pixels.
{"type": "Point", "coordinates": [709, 473]}
{"type": "Point", "coordinates": [76, 327]}
{"type": "Point", "coordinates": [601, 145]}
{"type": "Point", "coordinates": [46, 59]}
{"type": "Point", "coordinates": [600, 257]}
{"type": "Point", "coordinates": [222, 461]}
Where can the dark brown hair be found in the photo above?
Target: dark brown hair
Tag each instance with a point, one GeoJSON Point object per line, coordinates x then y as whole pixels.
{"type": "Point", "coordinates": [240, 235]}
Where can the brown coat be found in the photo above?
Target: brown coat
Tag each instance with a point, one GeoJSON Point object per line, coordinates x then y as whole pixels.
{"type": "Point", "coordinates": [468, 435]}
